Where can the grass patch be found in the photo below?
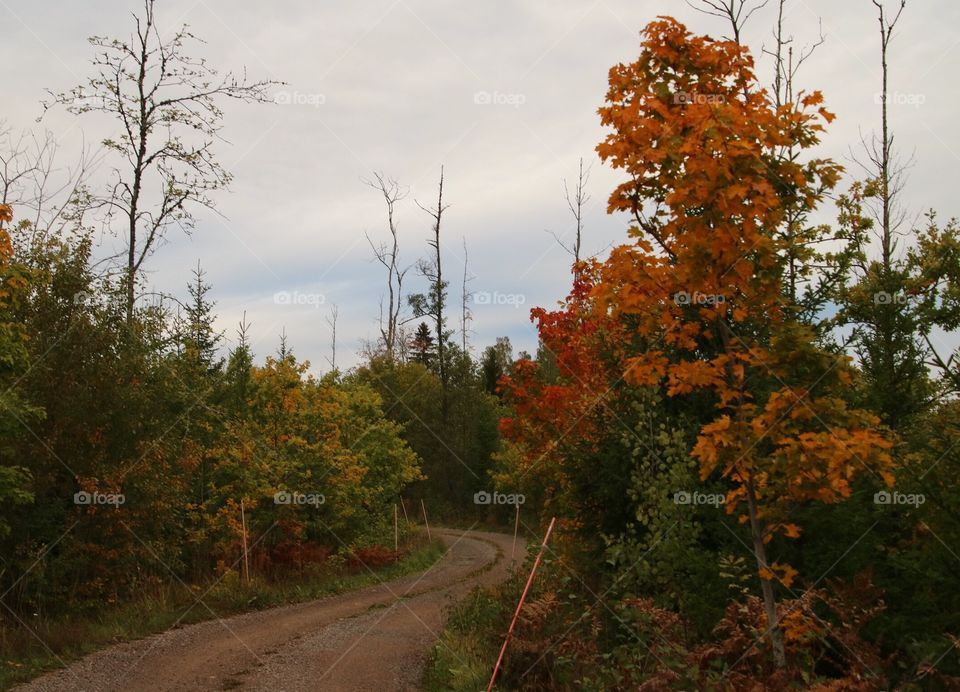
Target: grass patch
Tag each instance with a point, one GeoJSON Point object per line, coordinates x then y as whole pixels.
{"type": "Point", "coordinates": [56, 641]}
{"type": "Point", "coordinates": [463, 657]}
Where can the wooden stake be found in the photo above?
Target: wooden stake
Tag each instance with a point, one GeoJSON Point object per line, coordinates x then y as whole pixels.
{"type": "Point", "coordinates": [523, 597]}
{"type": "Point", "coordinates": [396, 530]}
{"type": "Point", "coordinates": [516, 528]}
{"type": "Point", "coordinates": [424, 507]}
{"type": "Point", "coordinates": [403, 506]}
{"type": "Point", "coordinates": [246, 558]}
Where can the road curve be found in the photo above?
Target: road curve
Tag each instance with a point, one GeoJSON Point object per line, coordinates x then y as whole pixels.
{"type": "Point", "coordinates": [376, 638]}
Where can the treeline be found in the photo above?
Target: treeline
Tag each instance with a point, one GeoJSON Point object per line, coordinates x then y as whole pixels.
{"type": "Point", "coordinates": [130, 445]}
{"type": "Point", "coordinates": [143, 450]}
{"type": "Point", "coordinates": [744, 423]}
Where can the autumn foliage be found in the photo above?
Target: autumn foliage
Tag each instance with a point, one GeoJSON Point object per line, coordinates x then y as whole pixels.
{"type": "Point", "coordinates": [697, 309]}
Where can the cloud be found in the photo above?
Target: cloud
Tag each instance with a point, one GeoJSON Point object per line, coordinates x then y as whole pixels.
{"type": "Point", "coordinates": [394, 86]}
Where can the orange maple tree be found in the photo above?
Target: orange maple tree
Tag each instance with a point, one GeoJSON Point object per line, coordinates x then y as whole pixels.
{"type": "Point", "coordinates": [703, 280]}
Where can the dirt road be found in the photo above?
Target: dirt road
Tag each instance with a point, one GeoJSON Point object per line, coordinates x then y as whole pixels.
{"type": "Point", "coordinates": [376, 638]}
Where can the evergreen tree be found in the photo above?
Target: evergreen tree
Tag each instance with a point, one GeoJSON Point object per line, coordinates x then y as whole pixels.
{"type": "Point", "coordinates": [200, 339]}
{"type": "Point", "coordinates": [237, 375]}
{"type": "Point", "coordinates": [496, 363]}
{"type": "Point", "coordinates": [422, 345]}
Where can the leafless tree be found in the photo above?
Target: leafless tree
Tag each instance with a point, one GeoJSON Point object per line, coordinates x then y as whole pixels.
{"type": "Point", "coordinates": [168, 107]}
{"type": "Point", "coordinates": [883, 164]}
{"type": "Point", "coordinates": [787, 64]}
{"type": "Point", "coordinates": [433, 304]}
{"type": "Point", "coordinates": [332, 321]}
{"type": "Point", "coordinates": [466, 315]}
{"type": "Point", "coordinates": [387, 253]}
{"type": "Point", "coordinates": [576, 202]}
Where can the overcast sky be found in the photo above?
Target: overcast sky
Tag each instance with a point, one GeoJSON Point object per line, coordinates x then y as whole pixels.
{"type": "Point", "coordinates": [502, 93]}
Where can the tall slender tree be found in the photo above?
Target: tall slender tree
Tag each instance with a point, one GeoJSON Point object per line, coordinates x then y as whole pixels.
{"type": "Point", "coordinates": [887, 327]}
{"type": "Point", "coordinates": [387, 253]}
{"type": "Point", "coordinates": [433, 303]}
{"type": "Point", "coordinates": [168, 107]}
{"type": "Point", "coordinates": [199, 335]}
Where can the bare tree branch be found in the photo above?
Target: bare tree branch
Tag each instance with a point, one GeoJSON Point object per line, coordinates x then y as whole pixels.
{"type": "Point", "coordinates": [737, 12]}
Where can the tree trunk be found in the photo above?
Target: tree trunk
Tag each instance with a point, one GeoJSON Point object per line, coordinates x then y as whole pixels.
{"type": "Point", "coordinates": [766, 586]}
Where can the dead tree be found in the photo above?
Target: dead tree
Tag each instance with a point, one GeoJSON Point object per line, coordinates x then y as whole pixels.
{"type": "Point", "coordinates": [433, 303]}
{"type": "Point", "coordinates": [576, 202]}
{"type": "Point", "coordinates": [387, 253]}
{"type": "Point", "coordinates": [332, 321]}
{"type": "Point", "coordinates": [883, 165]}
{"type": "Point", "coordinates": [786, 64]}
{"type": "Point", "coordinates": [465, 315]}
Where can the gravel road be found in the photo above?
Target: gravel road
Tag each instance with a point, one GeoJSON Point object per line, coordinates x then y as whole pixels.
{"type": "Point", "coordinates": [376, 638]}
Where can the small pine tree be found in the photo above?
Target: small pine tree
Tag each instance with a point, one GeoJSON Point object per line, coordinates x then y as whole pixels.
{"type": "Point", "coordinates": [197, 334]}
{"type": "Point", "coordinates": [238, 372]}
{"type": "Point", "coordinates": [423, 346]}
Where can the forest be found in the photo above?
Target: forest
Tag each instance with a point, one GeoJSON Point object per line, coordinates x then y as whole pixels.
{"type": "Point", "coordinates": [741, 417]}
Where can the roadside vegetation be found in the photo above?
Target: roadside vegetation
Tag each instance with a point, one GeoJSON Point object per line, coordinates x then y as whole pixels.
{"type": "Point", "coordinates": [169, 605]}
